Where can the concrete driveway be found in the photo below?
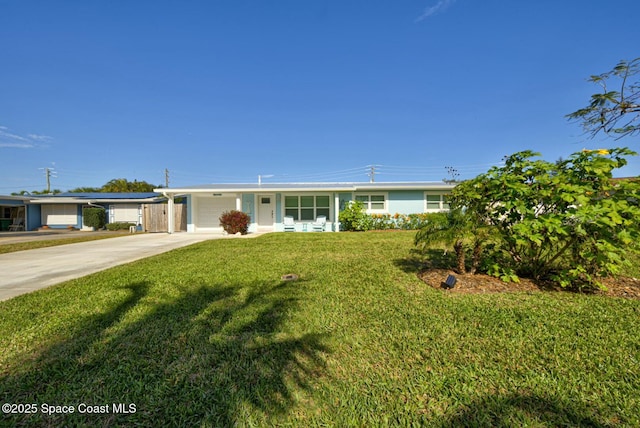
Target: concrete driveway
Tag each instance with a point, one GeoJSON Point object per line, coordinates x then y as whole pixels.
{"type": "Point", "coordinates": [25, 271]}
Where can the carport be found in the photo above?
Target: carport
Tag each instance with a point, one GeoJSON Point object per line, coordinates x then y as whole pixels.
{"type": "Point", "coordinates": [13, 210]}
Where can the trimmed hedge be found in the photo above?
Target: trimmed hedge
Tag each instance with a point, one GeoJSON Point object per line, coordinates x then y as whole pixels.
{"type": "Point", "coordinates": [94, 217]}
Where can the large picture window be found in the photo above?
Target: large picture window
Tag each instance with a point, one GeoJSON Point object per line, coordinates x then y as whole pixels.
{"type": "Point", "coordinates": [307, 207]}
{"type": "Point", "coordinates": [436, 202]}
{"type": "Point", "coordinates": [373, 202]}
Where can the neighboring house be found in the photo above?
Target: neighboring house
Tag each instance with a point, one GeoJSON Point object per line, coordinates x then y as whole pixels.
{"type": "Point", "coordinates": [268, 204]}
{"type": "Point", "coordinates": [65, 209]}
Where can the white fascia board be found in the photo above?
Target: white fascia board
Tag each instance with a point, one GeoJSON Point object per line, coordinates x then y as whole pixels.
{"type": "Point", "coordinates": [304, 187]}
{"type": "Point", "coordinates": [258, 189]}
{"type": "Point", "coordinates": [404, 186]}
{"type": "Point", "coordinates": [58, 201]}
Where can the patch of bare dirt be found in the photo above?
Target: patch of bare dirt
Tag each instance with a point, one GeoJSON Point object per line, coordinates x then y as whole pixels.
{"type": "Point", "coordinates": [480, 283]}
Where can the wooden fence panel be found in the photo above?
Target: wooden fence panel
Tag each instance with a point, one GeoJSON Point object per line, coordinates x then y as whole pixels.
{"type": "Point", "coordinates": [156, 217]}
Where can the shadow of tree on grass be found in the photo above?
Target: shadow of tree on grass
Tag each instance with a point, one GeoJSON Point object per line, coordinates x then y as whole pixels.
{"type": "Point", "coordinates": [418, 260]}
{"type": "Point", "coordinates": [215, 356]}
{"type": "Point", "coordinates": [523, 410]}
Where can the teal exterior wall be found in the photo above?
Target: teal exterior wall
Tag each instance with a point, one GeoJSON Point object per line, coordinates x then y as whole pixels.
{"type": "Point", "coordinates": [406, 202]}
{"type": "Point", "coordinates": [34, 214]}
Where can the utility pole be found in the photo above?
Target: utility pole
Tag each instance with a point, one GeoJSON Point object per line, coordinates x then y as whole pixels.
{"type": "Point", "coordinates": [166, 177]}
{"type": "Point", "coordinates": [372, 174]}
{"type": "Point", "coordinates": [48, 173]}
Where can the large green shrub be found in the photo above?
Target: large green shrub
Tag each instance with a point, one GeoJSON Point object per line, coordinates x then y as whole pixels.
{"type": "Point", "coordinates": [354, 217]}
{"type": "Point", "coordinates": [235, 221]}
{"type": "Point", "coordinates": [94, 217]}
{"type": "Point", "coordinates": [567, 220]}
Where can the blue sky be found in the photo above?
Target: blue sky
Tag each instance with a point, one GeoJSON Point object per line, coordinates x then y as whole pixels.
{"type": "Point", "coordinates": [315, 90]}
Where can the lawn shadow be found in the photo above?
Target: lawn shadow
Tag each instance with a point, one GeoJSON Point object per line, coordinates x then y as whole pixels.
{"type": "Point", "coordinates": [420, 260]}
{"type": "Point", "coordinates": [523, 409]}
{"type": "Point", "coordinates": [212, 356]}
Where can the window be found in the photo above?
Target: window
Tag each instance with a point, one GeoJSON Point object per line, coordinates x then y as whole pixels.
{"type": "Point", "coordinates": [125, 213]}
{"type": "Point", "coordinates": [307, 207]}
{"type": "Point", "coordinates": [436, 202]}
{"type": "Point", "coordinates": [373, 202]}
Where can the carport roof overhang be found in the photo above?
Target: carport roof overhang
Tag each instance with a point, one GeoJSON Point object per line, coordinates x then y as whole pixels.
{"type": "Point", "coordinates": [63, 200]}
{"type": "Point", "coordinates": [305, 187]}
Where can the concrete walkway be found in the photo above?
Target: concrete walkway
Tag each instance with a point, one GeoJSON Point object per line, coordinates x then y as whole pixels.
{"type": "Point", "coordinates": [26, 271]}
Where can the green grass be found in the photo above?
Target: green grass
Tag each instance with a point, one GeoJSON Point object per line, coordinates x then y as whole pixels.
{"type": "Point", "coordinates": [208, 335]}
{"type": "Point", "coordinates": [32, 245]}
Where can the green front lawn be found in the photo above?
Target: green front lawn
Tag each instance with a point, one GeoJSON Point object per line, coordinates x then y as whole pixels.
{"type": "Point", "coordinates": [209, 335]}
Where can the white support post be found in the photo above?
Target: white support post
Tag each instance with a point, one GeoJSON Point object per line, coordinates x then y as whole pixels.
{"type": "Point", "coordinates": [336, 213]}
{"type": "Point", "coordinates": [238, 202]}
{"type": "Point", "coordinates": [171, 217]}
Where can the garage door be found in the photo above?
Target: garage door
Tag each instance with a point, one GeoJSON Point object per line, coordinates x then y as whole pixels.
{"type": "Point", "coordinates": [209, 211]}
{"type": "Point", "coordinates": [59, 215]}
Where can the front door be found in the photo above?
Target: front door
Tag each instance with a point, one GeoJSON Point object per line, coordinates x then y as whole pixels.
{"type": "Point", "coordinates": [266, 210]}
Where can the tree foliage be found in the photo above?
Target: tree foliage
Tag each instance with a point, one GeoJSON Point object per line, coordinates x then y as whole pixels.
{"type": "Point", "coordinates": [86, 190]}
{"type": "Point", "coordinates": [37, 192]}
{"type": "Point", "coordinates": [567, 220]}
{"type": "Point", "coordinates": [354, 217]}
{"type": "Point", "coordinates": [122, 185]}
{"type": "Point", "coordinates": [614, 112]}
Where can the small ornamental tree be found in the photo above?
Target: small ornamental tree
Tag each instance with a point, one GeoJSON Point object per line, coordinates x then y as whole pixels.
{"type": "Point", "coordinates": [456, 229]}
{"type": "Point", "coordinates": [235, 221]}
{"type": "Point", "coordinates": [445, 229]}
{"type": "Point", "coordinates": [94, 217]}
{"type": "Point", "coordinates": [568, 220]}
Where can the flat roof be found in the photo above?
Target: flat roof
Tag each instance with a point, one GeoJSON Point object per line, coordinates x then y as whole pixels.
{"type": "Point", "coordinates": [306, 187]}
